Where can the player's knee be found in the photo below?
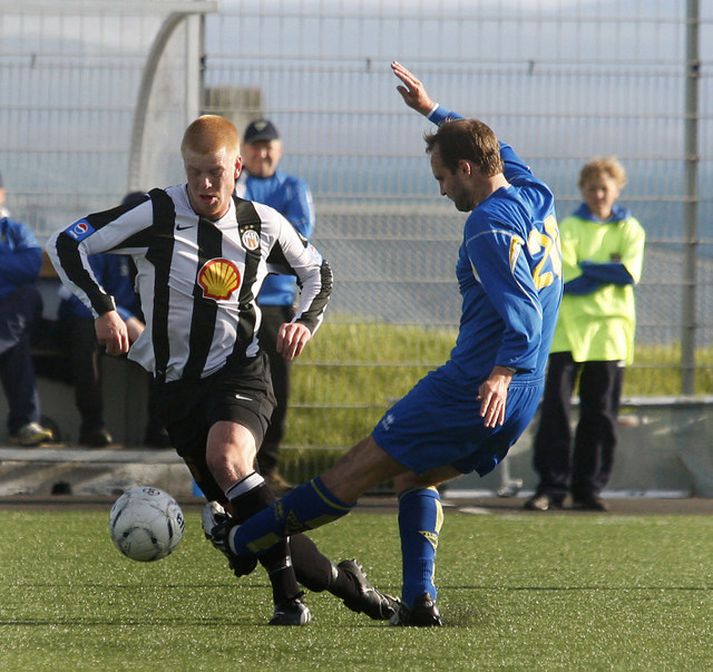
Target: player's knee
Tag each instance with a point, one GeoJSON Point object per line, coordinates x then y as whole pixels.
{"type": "Point", "coordinates": [408, 481]}
{"type": "Point", "coordinates": [230, 444]}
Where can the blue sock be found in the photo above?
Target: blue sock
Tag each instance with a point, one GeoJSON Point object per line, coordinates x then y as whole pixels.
{"type": "Point", "coordinates": [309, 506]}
{"type": "Point", "coordinates": [420, 521]}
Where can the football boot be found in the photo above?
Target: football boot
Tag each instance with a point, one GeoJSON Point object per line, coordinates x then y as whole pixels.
{"type": "Point", "coordinates": [291, 612]}
{"type": "Point", "coordinates": [372, 602]}
{"type": "Point", "coordinates": [423, 614]}
{"type": "Point", "coordinates": [217, 522]}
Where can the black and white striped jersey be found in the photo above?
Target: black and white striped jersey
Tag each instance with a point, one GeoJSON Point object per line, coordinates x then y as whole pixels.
{"type": "Point", "coordinates": [197, 279]}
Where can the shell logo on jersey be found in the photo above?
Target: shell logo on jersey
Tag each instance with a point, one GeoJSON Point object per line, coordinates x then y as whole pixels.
{"type": "Point", "coordinates": [218, 279]}
{"type": "Point", "coordinates": [251, 241]}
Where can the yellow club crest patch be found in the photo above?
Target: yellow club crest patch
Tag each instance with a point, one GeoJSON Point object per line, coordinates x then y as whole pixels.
{"type": "Point", "coordinates": [219, 278]}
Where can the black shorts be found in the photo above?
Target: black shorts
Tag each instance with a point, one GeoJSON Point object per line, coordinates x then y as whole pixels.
{"type": "Point", "coordinates": [240, 392]}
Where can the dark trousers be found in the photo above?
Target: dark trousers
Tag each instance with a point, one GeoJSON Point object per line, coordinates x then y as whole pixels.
{"type": "Point", "coordinates": [85, 355]}
{"type": "Point", "coordinates": [583, 469]}
{"type": "Point", "coordinates": [79, 337]}
{"type": "Point", "coordinates": [272, 318]}
{"type": "Point", "coordinates": [18, 312]}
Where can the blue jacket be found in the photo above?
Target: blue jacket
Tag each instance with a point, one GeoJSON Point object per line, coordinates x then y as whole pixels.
{"type": "Point", "coordinates": [595, 275]}
{"type": "Point", "coordinates": [113, 273]}
{"type": "Point", "coordinates": [20, 256]}
{"type": "Point", "coordinates": [291, 197]}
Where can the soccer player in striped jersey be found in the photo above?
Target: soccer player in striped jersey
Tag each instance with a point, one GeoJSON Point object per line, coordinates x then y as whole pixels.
{"type": "Point", "coordinates": [465, 415]}
{"type": "Point", "coordinates": [201, 254]}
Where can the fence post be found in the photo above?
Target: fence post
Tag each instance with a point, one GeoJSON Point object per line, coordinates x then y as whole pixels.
{"type": "Point", "coordinates": [688, 336]}
{"type": "Point", "coordinates": [135, 179]}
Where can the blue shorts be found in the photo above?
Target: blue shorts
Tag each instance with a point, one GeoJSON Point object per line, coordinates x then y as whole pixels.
{"type": "Point", "coordinates": [438, 424]}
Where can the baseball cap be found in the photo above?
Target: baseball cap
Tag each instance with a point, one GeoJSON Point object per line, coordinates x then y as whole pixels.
{"type": "Point", "coordinates": [133, 198]}
{"type": "Point", "coordinates": [260, 129]}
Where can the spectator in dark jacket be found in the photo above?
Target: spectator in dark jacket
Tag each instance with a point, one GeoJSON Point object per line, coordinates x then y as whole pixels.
{"type": "Point", "coordinates": [115, 273]}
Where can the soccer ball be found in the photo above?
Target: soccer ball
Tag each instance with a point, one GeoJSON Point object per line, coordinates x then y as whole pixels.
{"type": "Point", "coordinates": [146, 524]}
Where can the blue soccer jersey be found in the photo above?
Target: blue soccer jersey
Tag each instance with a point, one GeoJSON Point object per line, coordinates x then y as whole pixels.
{"type": "Point", "coordinates": [509, 276]}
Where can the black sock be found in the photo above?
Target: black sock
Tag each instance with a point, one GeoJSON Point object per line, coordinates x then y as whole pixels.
{"type": "Point", "coordinates": [344, 585]}
{"type": "Point", "coordinates": [313, 569]}
{"type": "Point", "coordinates": [247, 498]}
{"type": "Point", "coordinates": [278, 563]}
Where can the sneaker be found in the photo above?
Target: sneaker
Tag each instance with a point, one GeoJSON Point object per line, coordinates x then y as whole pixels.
{"type": "Point", "coordinates": [277, 483]}
{"type": "Point", "coordinates": [589, 503]}
{"type": "Point", "coordinates": [95, 438]}
{"type": "Point", "coordinates": [543, 502]}
{"type": "Point", "coordinates": [423, 614]}
{"type": "Point", "coordinates": [291, 612]}
{"type": "Point", "coordinates": [216, 523]}
{"type": "Point", "coordinates": [372, 602]}
{"type": "Point", "coordinates": [32, 434]}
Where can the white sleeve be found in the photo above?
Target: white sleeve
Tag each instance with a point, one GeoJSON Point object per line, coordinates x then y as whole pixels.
{"type": "Point", "coordinates": [118, 230]}
{"type": "Point", "coordinates": [293, 254]}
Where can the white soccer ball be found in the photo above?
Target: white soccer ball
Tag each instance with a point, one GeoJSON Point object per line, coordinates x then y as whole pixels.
{"type": "Point", "coordinates": [146, 524]}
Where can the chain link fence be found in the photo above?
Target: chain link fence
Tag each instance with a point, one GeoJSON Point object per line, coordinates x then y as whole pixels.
{"type": "Point", "coordinates": [561, 81]}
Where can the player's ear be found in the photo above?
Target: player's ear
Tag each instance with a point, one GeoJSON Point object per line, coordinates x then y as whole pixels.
{"type": "Point", "coordinates": [465, 167]}
{"type": "Point", "coordinates": [238, 167]}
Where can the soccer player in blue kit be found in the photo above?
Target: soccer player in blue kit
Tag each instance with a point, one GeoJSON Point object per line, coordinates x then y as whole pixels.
{"type": "Point", "coordinates": [465, 415]}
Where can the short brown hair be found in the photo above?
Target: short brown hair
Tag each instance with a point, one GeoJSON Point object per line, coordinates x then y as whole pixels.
{"type": "Point", "coordinates": [209, 133]}
{"type": "Point", "coordinates": [603, 165]}
{"type": "Point", "coordinates": [468, 139]}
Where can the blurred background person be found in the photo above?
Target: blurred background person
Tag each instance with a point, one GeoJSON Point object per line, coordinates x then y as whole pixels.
{"type": "Point", "coordinates": [78, 337]}
{"type": "Point", "coordinates": [261, 181]}
{"type": "Point", "coordinates": [602, 255]}
{"type": "Point", "coordinates": [20, 309]}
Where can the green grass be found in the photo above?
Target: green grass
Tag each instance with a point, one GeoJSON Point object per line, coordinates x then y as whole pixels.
{"type": "Point", "coordinates": [351, 373]}
{"type": "Point", "coordinates": [518, 592]}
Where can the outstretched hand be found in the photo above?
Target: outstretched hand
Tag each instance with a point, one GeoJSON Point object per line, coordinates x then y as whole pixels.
{"type": "Point", "coordinates": [413, 92]}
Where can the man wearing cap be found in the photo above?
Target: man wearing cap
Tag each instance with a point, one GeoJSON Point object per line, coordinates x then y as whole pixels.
{"type": "Point", "coordinates": [290, 196]}
{"type": "Point", "coordinates": [20, 307]}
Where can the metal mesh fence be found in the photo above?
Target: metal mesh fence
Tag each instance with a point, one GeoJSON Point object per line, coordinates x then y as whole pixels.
{"type": "Point", "coordinates": [70, 73]}
{"type": "Point", "coordinates": [560, 80]}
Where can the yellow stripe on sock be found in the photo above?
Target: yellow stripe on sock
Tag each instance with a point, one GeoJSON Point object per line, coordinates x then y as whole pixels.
{"type": "Point", "coordinates": [263, 543]}
{"type": "Point", "coordinates": [439, 516]}
{"type": "Point", "coordinates": [328, 501]}
{"type": "Point", "coordinates": [431, 537]}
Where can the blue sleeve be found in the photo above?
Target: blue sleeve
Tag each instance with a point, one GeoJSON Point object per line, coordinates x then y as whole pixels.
{"type": "Point", "coordinates": [442, 114]}
{"type": "Point", "coordinates": [20, 254]}
{"type": "Point", "coordinates": [20, 267]}
{"type": "Point", "coordinates": [513, 166]}
{"type": "Point", "coordinates": [299, 210]}
{"type": "Point", "coordinates": [502, 268]}
{"type": "Point", "coordinates": [613, 273]}
{"type": "Point", "coordinates": [71, 306]}
{"type": "Point", "coordinates": [117, 281]}
{"type": "Point", "coordinates": [581, 285]}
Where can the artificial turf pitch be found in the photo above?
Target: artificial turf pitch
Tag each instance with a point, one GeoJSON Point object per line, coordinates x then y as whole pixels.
{"type": "Point", "coordinates": [518, 591]}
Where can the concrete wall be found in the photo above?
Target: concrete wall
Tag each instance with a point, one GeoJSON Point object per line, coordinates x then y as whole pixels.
{"type": "Point", "coordinates": [665, 448]}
